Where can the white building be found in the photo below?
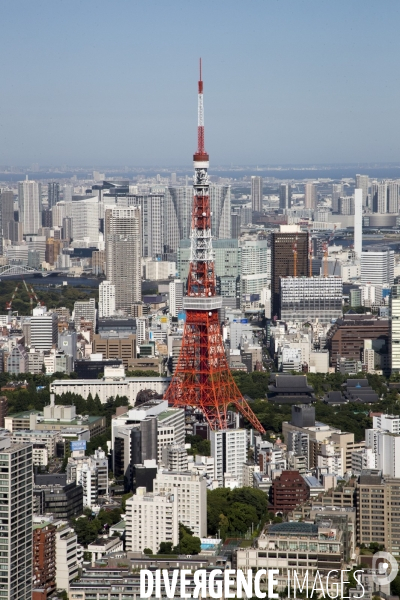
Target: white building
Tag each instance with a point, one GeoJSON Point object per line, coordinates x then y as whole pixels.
{"type": "Point", "coordinates": [44, 329]}
{"type": "Point", "coordinates": [151, 519]}
{"type": "Point", "coordinates": [67, 566]}
{"type": "Point", "coordinates": [362, 459]}
{"type": "Point", "coordinates": [91, 472]}
{"type": "Point", "coordinates": [85, 220]}
{"type": "Point", "coordinates": [159, 269]}
{"type": "Point", "coordinates": [390, 423]}
{"type": "Point", "coordinates": [175, 297]}
{"type": "Point", "coordinates": [229, 450]}
{"type": "Point", "coordinates": [311, 298]}
{"type": "Point", "coordinates": [371, 294]}
{"type": "Point", "coordinates": [106, 299]}
{"type": "Point", "coordinates": [330, 459]}
{"type": "Point", "coordinates": [86, 310]}
{"type": "Point", "coordinates": [190, 491]}
{"type": "Point", "coordinates": [377, 267]}
{"type": "Point", "coordinates": [110, 386]}
{"type": "Point", "coordinates": [30, 206]}
{"type": "Point", "coordinates": [358, 204]}
{"type": "Point", "coordinates": [395, 329]}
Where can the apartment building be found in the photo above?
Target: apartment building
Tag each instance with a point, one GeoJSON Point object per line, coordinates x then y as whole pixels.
{"type": "Point", "coordinates": [44, 559]}
{"type": "Point", "coordinates": [191, 494]}
{"type": "Point", "coordinates": [378, 510]}
{"type": "Point", "coordinates": [151, 519]}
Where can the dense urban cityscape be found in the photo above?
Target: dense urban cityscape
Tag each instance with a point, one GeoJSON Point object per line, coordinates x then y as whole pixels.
{"type": "Point", "coordinates": [199, 365]}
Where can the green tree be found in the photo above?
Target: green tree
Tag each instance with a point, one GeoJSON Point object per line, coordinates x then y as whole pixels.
{"type": "Point", "coordinates": [188, 543]}
{"type": "Point", "coordinates": [124, 498]}
{"type": "Point", "coordinates": [165, 548]}
{"type": "Point", "coordinates": [148, 551]}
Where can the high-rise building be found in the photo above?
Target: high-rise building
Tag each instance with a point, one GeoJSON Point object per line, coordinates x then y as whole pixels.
{"type": "Point", "coordinates": [151, 519]}
{"type": "Point", "coordinates": [346, 205]}
{"type": "Point", "coordinates": [285, 196]}
{"type": "Point", "coordinates": [44, 330]}
{"type": "Point", "coordinates": [393, 197]}
{"type": "Point", "coordinates": [379, 197]}
{"type": "Point", "coordinates": [358, 195]}
{"type": "Point", "coordinates": [282, 259]}
{"type": "Point", "coordinates": [84, 310]}
{"type": "Point", "coordinates": [85, 219]}
{"type": "Point", "coordinates": [362, 182]}
{"type": "Point", "coordinates": [337, 192]}
{"type": "Point", "coordinates": [310, 195]}
{"type": "Point", "coordinates": [256, 193]}
{"type": "Point", "coordinates": [17, 492]}
{"type": "Point", "coordinates": [176, 292]}
{"type": "Point", "coordinates": [30, 206]}
{"type": "Point", "coordinates": [123, 255]}
{"type": "Point", "coordinates": [377, 266]}
{"type": "Point", "coordinates": [311, 298]}
{"type": "Point", "coordinates": [395, 329]}
{"type": "Point", "coordinates": [152, 210]}
{"type": "Point", "coordinates": [106, 299]}
{"type": "Point", "coordinates": [44, 558]}
{"type": "Point", "coordinates": [7, 212]}
{"type": "Point", "coordinates": [229, 451]}
{"type": "Point", "coordinates": [53, 193]}
{"type": "Point", "coordinates": [235, 225]}
{"type": "Point", "coordinates": [256, 257]}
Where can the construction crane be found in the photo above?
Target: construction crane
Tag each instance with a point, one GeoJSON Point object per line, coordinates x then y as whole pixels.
{"type": "Point", "coordinates": [9, 304]}
{"type": "Point", "coordinates": [295, 258]}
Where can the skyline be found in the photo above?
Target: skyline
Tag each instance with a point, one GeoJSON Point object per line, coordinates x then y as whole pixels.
{"type": "Point", "coordinates": [283, 83]}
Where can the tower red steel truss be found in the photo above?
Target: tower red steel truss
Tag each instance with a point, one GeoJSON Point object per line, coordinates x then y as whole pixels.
{"type": "Point", "coordinates": [202, 377]}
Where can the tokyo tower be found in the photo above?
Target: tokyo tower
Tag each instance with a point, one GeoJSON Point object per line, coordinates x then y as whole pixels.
{"type": "Point", "coordinates": [202, 378]}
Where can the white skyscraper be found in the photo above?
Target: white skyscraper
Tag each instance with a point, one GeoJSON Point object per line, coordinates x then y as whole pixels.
{"type": "Point", "coordinates": [377, 267]}
{"type": "Point", "coordinates": [358, 197]}
{"type": "Point", "coordinates": [393, 197]}
{"type": "Point", "coordinates": [256, 193]}
{"type": "Point", "coordinates": [85, 219]}
{"type": "Point", "coordinates": [175, 297]}
{"type": "Point", "coordinates": [310, 195]}
{"type": "Point", "coordinates": [30, 206]}
{"type": "Point", "coordinates": [229, 451]}
{"type": "Point", "coordinates": [106, 299]}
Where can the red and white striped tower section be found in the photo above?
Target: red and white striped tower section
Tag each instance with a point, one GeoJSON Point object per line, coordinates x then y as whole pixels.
{"type": "Point", "coordinates": [202, 379]}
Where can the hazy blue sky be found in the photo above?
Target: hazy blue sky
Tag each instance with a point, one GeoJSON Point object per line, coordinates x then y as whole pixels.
{"type": "Point", "coordinates": [114, 82]}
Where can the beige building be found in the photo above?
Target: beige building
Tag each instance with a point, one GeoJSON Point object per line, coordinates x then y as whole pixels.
{"type": "Point", "coordinates": [191, 494]}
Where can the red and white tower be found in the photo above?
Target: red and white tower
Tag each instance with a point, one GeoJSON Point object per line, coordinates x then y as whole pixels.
{"type": "Point", "coordinates": [202, 378]}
